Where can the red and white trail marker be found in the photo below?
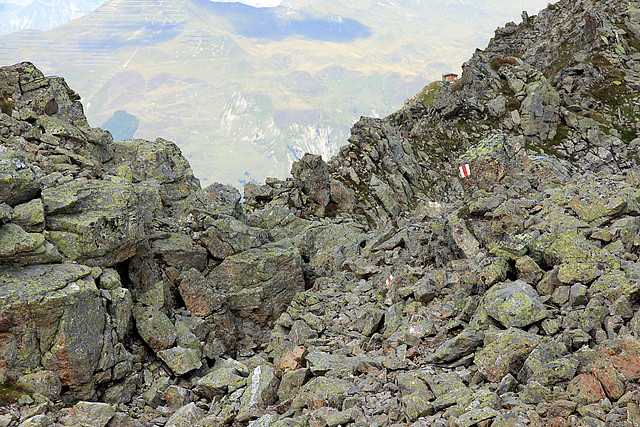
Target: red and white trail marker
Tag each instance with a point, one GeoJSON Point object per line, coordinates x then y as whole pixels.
{"type": "Point", "coordinates": [389, 280]}
{"type": "Point", "coordinates": [465, 171]}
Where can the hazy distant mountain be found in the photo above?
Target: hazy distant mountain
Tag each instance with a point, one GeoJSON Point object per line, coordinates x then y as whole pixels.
{"type": "Point", "coordinates": [243, 90]}
{"type": "Point", "coordinates": [42, 14]}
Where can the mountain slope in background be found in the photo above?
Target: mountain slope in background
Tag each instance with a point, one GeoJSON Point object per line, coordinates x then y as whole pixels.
{"type": "Point", "coordinates": [245, 91]}
{"type": "Point", "coordinates": [42, 15]}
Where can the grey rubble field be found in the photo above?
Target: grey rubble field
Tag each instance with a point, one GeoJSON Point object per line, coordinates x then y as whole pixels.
{"type": "Point", "coordinates": [378, 289]}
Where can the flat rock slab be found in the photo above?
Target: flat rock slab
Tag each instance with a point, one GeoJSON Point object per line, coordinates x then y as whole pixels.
{"type": "Point", "coordinates": [181, 360]}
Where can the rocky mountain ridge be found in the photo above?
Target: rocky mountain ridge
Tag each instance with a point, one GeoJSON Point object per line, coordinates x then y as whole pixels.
{"type": "Point", "coordinates": [288, 80]}
{"type": "Point", "coordinates": [380, 288]}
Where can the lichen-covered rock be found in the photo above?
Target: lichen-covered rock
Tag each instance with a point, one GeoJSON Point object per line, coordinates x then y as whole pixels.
{"type": "Point", "coordinates": [441, 384]}
{"type": "Point", "coordinates": [97, 222]}
{"type": "Point", "coordinates": [514, 304]}
{"type": "Point", "coordinates": [18, 183]}
{"type": "Point", "coordinates": [585, 389]}
{"type": "Point", "coordinates": [49, 96]}
{"type": "Point", "coordinates": [30, 216]}
{"type": "Point", "coordinates": [459, 346]}
{"type": "Point", "coordinates": [561, 240]}
{"type": "Point", "coordinates": [320, 363]}
{"type": "Point", "coordinates": [53, 317]}
{"type": "Point", "coordinates": [313, 174]}
{"type": "Point", "coordinates": [605, 372]}
{"type": "Point", "coordinates": [159, 160]}
{"type": "Point", "coordinates": [18, 247]}
{"type": "Point", "coordinates": [528, 270]}
{"type": "Point", "coordinates": [476, 416]}
{"type": "Point", "coordinates": [323, 391]}
{"type": "Point", "coordinates": [44, 382]}
{"type": "Point", "coordinates": [187, 416]}
{"type": "Point", "coordinates": [92, 414]}
{"type": "Point", "coordinates": [291, 382]}
{"type": "Point", "coordinates": [228, 377]}
{"type": "Point", "coordinates": [228, 236]}
{"type": "Point", "coordinates": [155, 328]}
{"type": "Point", "coordinates": [545, 352]}
{"type": "Point", "coordinates": [404, 260]}
{"type": "Point", "coordinates": [259, 283]}
{"type": "Point", "coordinates": [120, 310]}
{"type": "Point", "coordinates": [40, 420]}
{"type": "Point", "coordinates": [505, 354]}
{"type": "Point", "coordinates": [198, 293]}
{"type": "Point", "coordinates": [262, 388]}
{"type": "Point", "coordinates": [181, 360]}
{"type": "Point", "coordinates": [179, 251]}
{"type": "Point", "coordinates": [503, 158]}
{"type": "Point", "coordinates": [598, 199]}
{"type": "Point", "coordinates": [206, 205]}
{"type": "Point", "coordinates": [578, 272]}
{"type": "Point", "coordinates": [327, 247]}
{"type": "Point", "coordinates": [416, 405]}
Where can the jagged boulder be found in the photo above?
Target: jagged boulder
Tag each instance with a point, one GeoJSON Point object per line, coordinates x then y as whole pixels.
{"type": "Point", "coordinates": [50, 96]}
{"type": "Point", "coordinates": [53, 317]}
{"type": "Point", "coordinates": [260, 282]}
{"type": "Point", "coordinates": [228, 236]}
{"type": "Point", "coordinates": [514, 304]}
{"type": "Point", "coordinates": [313, 174]}
{"type": "Point", "coordinates": [505, 354]}
{"type": "Point", "coordinates": [178, 250]}
{"type": "Point", "coordinates": [387, 288]}
{"type": "Point", "coordinates": [160, 160]}
{"type": "Point", "coordinates": [98, 222]}
{"type": "Point", "coordinates": [155, 328]}
{"type": "Point", "coordinates": [18, 182]}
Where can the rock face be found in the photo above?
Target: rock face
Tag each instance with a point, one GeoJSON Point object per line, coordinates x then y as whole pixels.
{"type": "Point", "coordinates": [93, 238]}
{"type": "Point", "coordinates": [379, 288]}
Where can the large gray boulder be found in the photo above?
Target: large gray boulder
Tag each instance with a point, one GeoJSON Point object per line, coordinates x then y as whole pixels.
{"type": "Point", "coordinates": [155, 328]}
{"type": "Point", "coordinates": [178, 250]}
{"type": "Point", "coordinates": [514, 304]}
{"type": "Point", "coordinates": [158, 160]}
{"type": "Point", "coordinates": [259, 283]}
{"type": "Point", "coordinates": [96, 221]}
{"type": "Point", "coordinates": [505, 354]}
{"type": "Point", "coordinates": [228, 236]}
{"type": "Point", "coordinates": [52, 317]}
{"type": "Point", "coordinates": [18, 182]}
